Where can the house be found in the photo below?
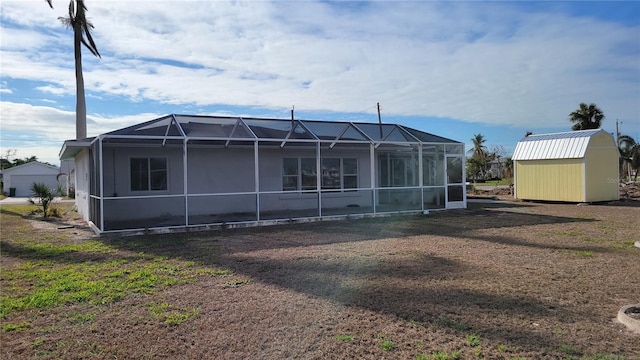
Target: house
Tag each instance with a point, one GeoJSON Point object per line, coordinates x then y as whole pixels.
{"type": "Point", "coordinates": [18, 179]}
{"type": "Point", "coordinates": [576, 166]}
{"type": "Point", "coordinates": [185, 171]}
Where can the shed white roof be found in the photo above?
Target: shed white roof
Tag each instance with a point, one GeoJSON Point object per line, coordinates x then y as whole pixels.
{"type": "Point", "coordinates": [564, 145]}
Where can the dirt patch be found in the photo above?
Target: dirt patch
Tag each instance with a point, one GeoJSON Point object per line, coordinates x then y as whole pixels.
{"type": "Point", "coordinates": [628, 191]}
{"type": "Point", "coordinates": [495, 281]}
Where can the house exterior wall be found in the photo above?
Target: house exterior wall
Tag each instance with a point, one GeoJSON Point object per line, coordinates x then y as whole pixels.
{"type": "Point", "coordinates": [82, 169]}
{"type": "Point", "coordinates": [552, 180]}
{"type": "Point", "coordinates": [233, 170]}
{"type": "Point", "coordinates": [117, 184]}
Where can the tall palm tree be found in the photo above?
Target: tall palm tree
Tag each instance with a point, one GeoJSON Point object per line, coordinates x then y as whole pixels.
{"type": "Point", "coordinates": [479, 150]}
{"type": "Point", "coordinates": [77, 21]}
{"type": "Point", "coordinates": [479, 154]}
{"type": "Point", "coordinates": [629, 155]}
{"type": "Point", "coordinates": [586, 117]}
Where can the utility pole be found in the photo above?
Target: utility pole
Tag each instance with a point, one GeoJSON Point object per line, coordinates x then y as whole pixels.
{"type": "Point", "coordinates": [292, 120]}
{"type": "Point", "coordinates": [379, 120]}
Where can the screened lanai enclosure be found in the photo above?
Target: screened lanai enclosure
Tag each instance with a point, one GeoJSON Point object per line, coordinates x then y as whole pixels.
{"type": "Point", "coordinates": [184, 171]}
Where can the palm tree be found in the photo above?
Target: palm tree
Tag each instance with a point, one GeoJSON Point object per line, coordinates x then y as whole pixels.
{"type": "Point", "coordinates": [629, 155]}
{"type": "Point", "coordinates": [479, 155]}
{"type": "Point", "coordinates": [479, 149]}
{"type": "Point", "coordinates": [44, 196]}
{"type": "Point", "coordinates": [586, 117]}
{"type": "Point", "coordinates": [77, 21]}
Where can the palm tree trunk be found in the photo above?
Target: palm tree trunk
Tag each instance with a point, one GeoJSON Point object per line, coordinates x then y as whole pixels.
{"type": "Point", "coordinates": [81, 106]}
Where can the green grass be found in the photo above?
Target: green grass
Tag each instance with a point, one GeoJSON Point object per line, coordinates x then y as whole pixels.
{"type": "Point", "coordinates": [172, 315]}
{"type": "Point", "coordinates": [51, 272]}
{"type": "Point", "coordinates": [344, 337]}
{"type": "Point", "coordinates": [441, 355]}
{"type": "Point", "coordinates": [387, 345]}
{"type": "Point", "coordinates": [46, 284]}
{"type": "Point", "coordinates": [584, 253]}
{"type": "Point", "coordinates": [16, 327]}
{"type": "Point", "coordinates": [493, 182]}
{"type": "Point", "coordinates": [473, 340]}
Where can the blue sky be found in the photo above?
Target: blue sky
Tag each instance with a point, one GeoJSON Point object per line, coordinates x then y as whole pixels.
{"type": "Point", "coordinates": [453, 69]}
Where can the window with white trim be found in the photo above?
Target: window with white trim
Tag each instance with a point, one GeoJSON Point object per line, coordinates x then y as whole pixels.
{"type": "Point", "coordinates": [148, 174]}
{"type": "Point", "coordinates": [298, 173]}
{"type": "Point", "coordinates": [337, 173]}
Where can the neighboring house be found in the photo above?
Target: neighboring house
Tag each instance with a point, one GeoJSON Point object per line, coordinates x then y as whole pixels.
{"type": "Point", "coordinates": [182, 171]}
{"type": "Point", "coordinates": [18, 179]}
{"type": "Point", "coordinates": [576, 166]}
{"type": "Point", "coordinates": [497, 167]}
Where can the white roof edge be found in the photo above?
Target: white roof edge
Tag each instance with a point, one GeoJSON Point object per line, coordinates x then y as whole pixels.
{"type": "Point", "coordinates": [71, 147]}
{"type": "Point", "coordinates": [30, 163]}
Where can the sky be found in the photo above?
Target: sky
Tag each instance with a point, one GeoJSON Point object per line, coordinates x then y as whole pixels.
{"type": "Point", "coordinates": [454, 69]}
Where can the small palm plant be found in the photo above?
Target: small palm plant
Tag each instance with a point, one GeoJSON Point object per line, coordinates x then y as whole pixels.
{"type": "Point", "coordinates": [44, 196]}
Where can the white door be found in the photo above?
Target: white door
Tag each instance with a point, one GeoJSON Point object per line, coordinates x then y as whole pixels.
{"type": "Point", "coordinates": [456, 196]}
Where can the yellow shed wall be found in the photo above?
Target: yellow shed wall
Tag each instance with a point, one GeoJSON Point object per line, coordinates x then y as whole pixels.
{"type": "Point", "coordinates": [602, 140]}
{"type": "Point", "coordinates": [602, 174]}
{"type": "Point", "coordinates": [552, 180]}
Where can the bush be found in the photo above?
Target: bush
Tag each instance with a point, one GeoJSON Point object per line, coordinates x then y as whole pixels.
{"type": "Point", "coordinates": [44, 196]}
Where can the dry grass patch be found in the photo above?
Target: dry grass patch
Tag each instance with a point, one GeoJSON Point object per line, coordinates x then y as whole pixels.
{"type": "Point", "coordinates": [498, 281]}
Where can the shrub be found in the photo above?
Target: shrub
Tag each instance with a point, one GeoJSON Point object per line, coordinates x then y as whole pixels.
{"type": "Point", "coordinates": [44, 196]}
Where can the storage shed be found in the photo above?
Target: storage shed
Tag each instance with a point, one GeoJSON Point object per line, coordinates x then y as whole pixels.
{"type": "Point", "coordinates": [576, 166]}
{"type": "Point", "coordinates": [18, 179]}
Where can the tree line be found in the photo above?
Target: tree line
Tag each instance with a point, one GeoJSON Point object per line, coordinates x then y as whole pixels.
{"type": "Point", "coordinates": [6, 161]}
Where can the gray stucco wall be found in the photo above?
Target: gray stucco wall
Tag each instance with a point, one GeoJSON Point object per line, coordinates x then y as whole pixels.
{"type": "Point", "coordinates": [219, 171]}
{"type": "Point", "coordinates": [82, 183]}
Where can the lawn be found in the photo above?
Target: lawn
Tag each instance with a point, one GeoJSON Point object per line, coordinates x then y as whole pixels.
{"type": "Point", "coordinates": [495, 281]}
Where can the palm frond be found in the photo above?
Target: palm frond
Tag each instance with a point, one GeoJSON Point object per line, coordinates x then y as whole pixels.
{"type": "Point", "coordinates": [91, 45]}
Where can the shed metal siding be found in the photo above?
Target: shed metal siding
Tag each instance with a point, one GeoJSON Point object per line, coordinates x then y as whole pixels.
{"type": "Point", "coordinates": [552, 180]}
{"type": "Point", "coordinates": [565, 148]}
{"type": "Point", "coordinates": [601, 174]}
{"type": "Point", "coordinates": [567, 145]}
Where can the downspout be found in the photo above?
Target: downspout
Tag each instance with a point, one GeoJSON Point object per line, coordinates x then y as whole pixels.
{"type": "Point", "coordinates": [372, 172]}
{"type": "Point", "coordinates": [101, 166]}
{"type": "Point", "coordinates": [256, 171]}
{"type": "Point", "coordinates": [185, 180]}
{"type": "Point", "coordinates": [319, 178]}
{"type": "Point", "coordinates": [421, 176]}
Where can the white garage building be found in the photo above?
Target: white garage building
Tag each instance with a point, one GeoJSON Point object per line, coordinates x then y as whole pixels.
{"type": "Point", "coordinates": [21, 177]}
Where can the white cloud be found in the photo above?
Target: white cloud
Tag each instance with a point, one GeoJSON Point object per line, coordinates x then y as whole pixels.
{"type": "Point", "coordinates": [480, 62]}
{"type": "Point", "coordinates": [41, 130]}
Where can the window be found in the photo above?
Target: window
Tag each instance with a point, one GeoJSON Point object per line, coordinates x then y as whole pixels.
{"type": "Point", "coordinates": [398, 170]}
{"type": "Point", "coordinates": [148, 174]}
{"type": "Point", "coordinates": [298, 173]}
{"type": "Point", "coordinates": [337, 173]}
{"type": "Point", "coordinates": [331, 173]}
